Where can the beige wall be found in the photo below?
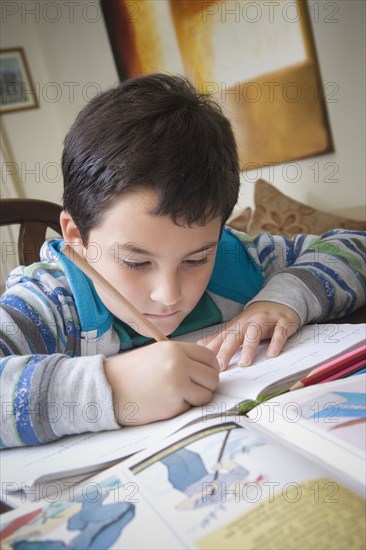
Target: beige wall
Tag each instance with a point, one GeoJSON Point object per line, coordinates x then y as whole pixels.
{"type": "Point", "coordinates": [70, 59]}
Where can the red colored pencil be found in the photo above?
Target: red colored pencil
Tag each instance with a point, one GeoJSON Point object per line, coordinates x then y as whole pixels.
{"type": "Point", "coordinates": [335, 365]}
{"type": "Point", "coordinates": [343, 373]}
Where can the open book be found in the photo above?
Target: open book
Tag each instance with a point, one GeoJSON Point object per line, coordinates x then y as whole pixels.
{"type": "Point", "coordinates": [87, 453]}
{"type": "Point", "coordinates": [218, 484]}
{"type": "Point", "coordinates": [325, 422]}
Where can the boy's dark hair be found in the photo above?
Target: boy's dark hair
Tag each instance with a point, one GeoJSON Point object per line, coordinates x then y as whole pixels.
{"type": "Point", "coordinates": [158, 132]}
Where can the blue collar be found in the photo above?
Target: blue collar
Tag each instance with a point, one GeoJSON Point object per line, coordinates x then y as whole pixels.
{"type": "Point", "coordinates": [235, 276]}
{"type": "Point", "coordinates": [94, 315]}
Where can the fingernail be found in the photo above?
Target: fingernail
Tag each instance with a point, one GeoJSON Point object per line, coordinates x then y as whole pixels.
{"type": "Point", "coordinates": [244, 361]}
{"type": "Point", "coordinates": [221, 363]}
{"type": "Point", "coordinates": [272, 352]}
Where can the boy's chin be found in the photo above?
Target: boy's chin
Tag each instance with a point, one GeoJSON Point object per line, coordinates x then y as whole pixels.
{"type": "Point", "coordinates": [167, 327]}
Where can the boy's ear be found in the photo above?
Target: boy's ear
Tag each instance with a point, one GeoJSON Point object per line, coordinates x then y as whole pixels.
{"type": "Point", "coordinates": [70, 232]}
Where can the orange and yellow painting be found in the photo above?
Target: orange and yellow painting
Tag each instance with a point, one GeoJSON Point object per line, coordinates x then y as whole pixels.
{"type": "Point", "coordinates": [257, 58]}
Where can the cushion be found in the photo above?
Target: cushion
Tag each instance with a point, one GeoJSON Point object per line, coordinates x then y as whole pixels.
{"type": "Point", "coordinates": [278, 214]}
{"type": "Point", "coordinates": [241, 220]}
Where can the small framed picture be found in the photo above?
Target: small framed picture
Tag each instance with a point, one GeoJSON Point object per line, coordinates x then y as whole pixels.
{"type": "Point", "coordinates": [17, 91]}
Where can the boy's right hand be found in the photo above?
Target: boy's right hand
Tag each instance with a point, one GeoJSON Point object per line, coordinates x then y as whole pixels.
{"type": "Point", "coordinates": [160, 381]}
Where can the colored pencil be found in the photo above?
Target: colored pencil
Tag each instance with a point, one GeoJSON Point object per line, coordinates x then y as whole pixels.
{"type": "Point", "coordinates": [344, 359]}
{"type": "Point", "coordinates": [356, 367]}
{"type": "Point", "coordinates": [331, 367]}
{"type": "Point", "coordinates": [113, 293]}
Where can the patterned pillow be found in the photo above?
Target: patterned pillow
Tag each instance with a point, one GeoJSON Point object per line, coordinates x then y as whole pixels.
{"type": "Point", "coordinates": [278, 214]}
{"type": "Point", "coordinates": [241, 220]}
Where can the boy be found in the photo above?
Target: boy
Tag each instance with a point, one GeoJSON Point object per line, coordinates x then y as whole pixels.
{"type": "Point", "coordinates": [150, 176]}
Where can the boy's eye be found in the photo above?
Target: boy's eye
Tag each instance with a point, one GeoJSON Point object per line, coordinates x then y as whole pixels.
{"type": "Point", "coordinates": [196, 263]}
{"type": "Point", "coordinates": [135, 265]}
{"type": "Point", "coordinates": [143, 265]}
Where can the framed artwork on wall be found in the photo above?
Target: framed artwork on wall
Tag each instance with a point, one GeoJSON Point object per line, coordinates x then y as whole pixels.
{"type": "Point", "coordinates": [258, 59]}
{"type": "Point", "coordinates": [17, 91]}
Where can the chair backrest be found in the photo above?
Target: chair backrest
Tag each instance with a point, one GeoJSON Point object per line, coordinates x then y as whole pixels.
{"type": "Point", "coordinates": [35, 217]}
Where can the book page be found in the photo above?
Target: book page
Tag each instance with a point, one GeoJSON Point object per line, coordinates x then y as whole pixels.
{"type": "Point", "coordinates": [217, 485]}
{"type": "Point", "coordinates": [297, 524]}
{"type": "Point", "coordinates": [107, 512]}
{"type": "Point", "coordinates": [90, 451]}
{"type": "Point", "coordinates": [22, 467]}
{"type": "Point", "coordinates": [325, 421]}
{"type": "Point", "coordinates": [310, 346]}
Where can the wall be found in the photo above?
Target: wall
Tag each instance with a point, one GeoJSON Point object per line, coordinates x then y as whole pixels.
{"type": "Point", "coordinates": [70, 60]}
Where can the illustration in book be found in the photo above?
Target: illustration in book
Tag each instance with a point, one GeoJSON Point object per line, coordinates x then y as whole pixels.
{"type": "Point", "coordinates": [219, 485]}
{"type": "Point", "coordinates": [91, 522]}
{"type": "Point", "coordinates": [204, 469]}
{"type": "Point", "coordinates": [342, 413]}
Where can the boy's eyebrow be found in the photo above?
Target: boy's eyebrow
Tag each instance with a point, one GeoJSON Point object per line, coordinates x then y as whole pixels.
{"type": "Point", "coordinates": [133, 248]}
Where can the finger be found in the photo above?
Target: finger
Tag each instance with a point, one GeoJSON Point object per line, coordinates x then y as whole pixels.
{"type": "Point", "coordinates": [204, 376]}
{"type": "Point", "coordinates": [254, 333]}
{"type": "Point", "coordinates": [201, 354]}
{"type": "Point", "coordinates": [281, 333]}
{"type": "Point", "coordinates": [208, 337]}
{"type": "Point", "coordinates": [227, 349]}
{"type": "Point", "coordinates": [216, 344]}
{"type": "Point", "coordinates": [232, 333]}
{"type": "Point", "coordinates": [215, 340]}
{"type": "Point", "coordinates": [197, 395]}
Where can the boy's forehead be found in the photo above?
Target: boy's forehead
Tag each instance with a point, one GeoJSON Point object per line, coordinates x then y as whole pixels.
{"type": "Point", "coordinates": [133, 211]}
{"type": "Point", "coordinates": [152, 236]}
{"type": "Point", "coordinates": [130, 225]}
{"type": "Point", "coordinates": [134, 247]}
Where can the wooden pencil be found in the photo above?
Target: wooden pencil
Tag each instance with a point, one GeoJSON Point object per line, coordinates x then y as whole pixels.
{"type": "Point", "coordinates": [113, 293]}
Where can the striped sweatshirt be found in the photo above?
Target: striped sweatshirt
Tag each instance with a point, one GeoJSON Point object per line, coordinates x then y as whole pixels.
{"type": "Point", "coordinates": [56, 332]}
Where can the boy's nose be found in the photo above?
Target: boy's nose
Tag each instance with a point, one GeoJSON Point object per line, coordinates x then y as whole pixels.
{"type": "Point", "coordinates": [167, 290]}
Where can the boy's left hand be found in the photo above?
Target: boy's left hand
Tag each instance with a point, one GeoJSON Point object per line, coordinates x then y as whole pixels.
{"type": "Point", "coordinates": [259, 321]}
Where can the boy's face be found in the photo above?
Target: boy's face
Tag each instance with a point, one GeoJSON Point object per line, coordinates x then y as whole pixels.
{"type": "Point", "coordinates": [161, 268]}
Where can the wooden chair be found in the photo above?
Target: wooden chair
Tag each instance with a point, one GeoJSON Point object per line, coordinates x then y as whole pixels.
{"type": "Point", "coordinates": [35, 217]}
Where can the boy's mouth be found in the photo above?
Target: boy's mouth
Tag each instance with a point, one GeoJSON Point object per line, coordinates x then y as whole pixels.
{"type": "Point", "coordinates": [161, 315]}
